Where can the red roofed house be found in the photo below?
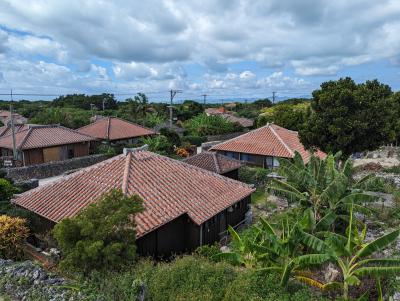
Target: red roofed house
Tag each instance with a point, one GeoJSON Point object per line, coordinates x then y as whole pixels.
{"type": "Point", "coordinates": [217, 163]}
{"type": "Point", "coordinates": [262, 146]}
{"type": "Point", "coordinates": [115, 130]}
{"type": "Point", "coordinates": [38, 144]}
{"type": "Point", "coordinates": [5, 117]}
{"type": "Point", "coordinates": [185, 206]}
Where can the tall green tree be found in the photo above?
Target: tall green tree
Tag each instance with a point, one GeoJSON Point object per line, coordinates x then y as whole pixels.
{"type": "Point", "coordinates": [102, 236]}
{"type": "Point", "coordinates": [349, 117]}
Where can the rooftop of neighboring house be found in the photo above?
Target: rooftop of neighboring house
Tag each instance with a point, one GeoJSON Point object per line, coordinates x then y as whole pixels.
{"type": "Point", "coordinates": [269, 140]}
{"type": "Point", "coordinates": [215, 111]}
{"type": "Point", "coordinates": [6, 130]}
{"type": "Point", "coordinates": [113, 128]}
{"type": "Point", "coordinates": [6, 115]}
{"type": "Point", "coordinates": [244, 122]}
{"type": "Point", "coordinates": [213, 162]}
{"type": "Point", "coordinates": [40, 136]}
{"type": "Point", "coordinates": [169, 189]}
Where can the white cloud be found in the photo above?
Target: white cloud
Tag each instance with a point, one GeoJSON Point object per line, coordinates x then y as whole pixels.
{"type": "Point", "coordinates": [152, 44]}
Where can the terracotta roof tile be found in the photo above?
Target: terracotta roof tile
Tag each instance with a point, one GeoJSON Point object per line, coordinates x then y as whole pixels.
{"type": "Point", "coordinates": [39, 136]}
{"type": "Point", "coordinates": [244, 122]}
{"type": "Point", "coordinates": [213, 162]}
{"type": "Point", "coordinates": [168, 187]}
{"type": "Point", "coordinates": [6, 130]}
{"type": "Point", "coordinates": [269, 140]}
{"type": "Point", "coordinates": [113, 128]}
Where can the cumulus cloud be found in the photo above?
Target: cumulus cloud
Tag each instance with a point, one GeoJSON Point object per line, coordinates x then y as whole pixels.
{"type": "Point", "coordinates": [193, 44]}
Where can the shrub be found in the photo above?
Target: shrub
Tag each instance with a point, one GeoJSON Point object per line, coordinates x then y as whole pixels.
{"type": "Point", "coordinates": [171, 135]}
{"type": "Point", "coordinates": [194, 140]}
{"type": "Point", "coordinates": [102, 236]}
{"type": "Point", "coordinates": [107, 150]}
{"type": "Point", "coordinates": [203, 125]}
{"type": "Point", "coordinates": [159, 144]}
{"type": "Point", "coordinates": [253, 175]}
{"type": "Point", "coordinates": [7, 190]}
{"type": "Point", "coordinates": [13, 232]}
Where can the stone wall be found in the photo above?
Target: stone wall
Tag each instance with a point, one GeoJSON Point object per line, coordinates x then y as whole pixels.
{"type": "Point", "coordinates": [46, 170]}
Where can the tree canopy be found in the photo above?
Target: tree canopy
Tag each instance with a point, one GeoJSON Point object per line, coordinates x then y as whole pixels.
{"type": "Point", "coordinates": [349, 117]}
{"type": "Point", "coordinates": [102, 235]}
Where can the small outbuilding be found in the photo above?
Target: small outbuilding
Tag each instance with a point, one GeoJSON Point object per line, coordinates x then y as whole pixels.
{"type": "Point", "coordinates": [217, 163]}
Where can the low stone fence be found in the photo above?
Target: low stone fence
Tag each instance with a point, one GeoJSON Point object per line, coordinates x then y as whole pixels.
{"type": "Point", "coordinates": [52, 169]}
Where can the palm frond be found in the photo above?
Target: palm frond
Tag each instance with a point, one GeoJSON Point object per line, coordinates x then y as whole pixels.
{"type": "Point", "coordinates": [312, 241]}
{"type": "Point", "coordinates": [377, 271]}
{"type": "Point", "coordinates": [311, 259]}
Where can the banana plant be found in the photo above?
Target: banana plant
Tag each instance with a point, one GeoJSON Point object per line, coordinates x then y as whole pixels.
{"type": "Point", "coordinates": [243, 252]}
{"type": "Point", "coordinates": [354, 256]}
{"type": "Point", "coordinates": [323, 186]}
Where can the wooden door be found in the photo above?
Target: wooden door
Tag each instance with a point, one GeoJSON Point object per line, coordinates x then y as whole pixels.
{"type": "Point", "coordinates": [52, 154]}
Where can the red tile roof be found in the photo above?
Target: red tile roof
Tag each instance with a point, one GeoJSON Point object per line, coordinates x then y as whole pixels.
{"type": "Point", "coordinates": [244, 122]}
{"type": "Point", "coordinates": [215, 111]}
{"type": "Point", "coordinates": [113, 128]}
{"type": "Point", "coordinates": [168, 187]}
{"type": "Point", "coordinates": [269, 140]}
{"type": "Point", "coordinates": [6, 130]}
{"type": "Point", "coordinates": [213, 162]}
{"type": "Point", "coordinates": [39, 136]}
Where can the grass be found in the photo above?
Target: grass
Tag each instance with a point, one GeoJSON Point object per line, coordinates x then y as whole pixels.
{"type": "Point", "coordinates": [393, 169]}
{"type": "Point", "coordinates": [259, 196]}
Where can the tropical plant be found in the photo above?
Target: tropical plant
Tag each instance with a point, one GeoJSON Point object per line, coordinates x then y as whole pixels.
{"type": "Point", "coordinates": [326, 186]}
{"type": "Point", "coordinates": [203, 125]}
{"type": "Point", "coordinates": [102, 236]}
{"type": "Point", "coordinates": [159, 144]}
{"type": "Point", "coordinates": [276, 251]}
{"type": "Point", "coordinates": [13, 231]}
{"type": "Point", "coordinates": [354, 256]}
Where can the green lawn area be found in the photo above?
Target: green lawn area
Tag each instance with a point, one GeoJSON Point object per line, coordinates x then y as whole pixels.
{"type": "Point", "coordinates": [258, 196]}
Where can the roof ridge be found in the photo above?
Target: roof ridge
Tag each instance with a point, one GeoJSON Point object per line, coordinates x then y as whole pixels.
{"type": "Point", "coordinates": [214, 155]}
{"type": "Point", "coordinates": [281, 140]}
{"type": "Point", "coordinates": [125, 176]}
{"type": "Point", "coordinates": [108, 127]}
{"type": "Point", "coordinates": [29, 131]}
{"type": "Point", "coordinates": [240, 136]}
{"type": "Point", "coordinates": [181, 162]}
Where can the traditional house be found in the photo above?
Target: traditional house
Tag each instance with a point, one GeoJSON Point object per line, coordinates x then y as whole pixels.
{"type": "Point", "coordinates": [115, 130]}
{"type": "Point", "coordinates": [38, 144]}
{"type": "Point", "coordinates": [263, 146]}
{"type": "Point", "coordinates": [6, 130]}
{"type": "Point", "coordinates": [217, 163]}
{"type": "Point", "coordinates": [244, 122]}
{"type": "Point", "coordinates": [5, 118]}
{"type": "Point", "coordinates": [184, 206]}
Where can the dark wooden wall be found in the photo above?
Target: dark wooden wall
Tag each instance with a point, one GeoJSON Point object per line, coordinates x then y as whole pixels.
{"type": "Point", "coordinates": [233, 174]}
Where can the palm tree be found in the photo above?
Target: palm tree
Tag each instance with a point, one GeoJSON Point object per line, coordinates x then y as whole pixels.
{"type": "Point", "coordinates": [322, 185]}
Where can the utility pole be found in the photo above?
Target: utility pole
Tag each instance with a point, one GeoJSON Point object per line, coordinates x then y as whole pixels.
{"type": "Point", "coordinates": [273, 97]}
{"type": "Point", "coordinates": [204, 98]}
{"type": "Point", "coordinates": [104, 103]}
{"type": "Point", "coordinates": [15, 155]}
{"type": "Point", "coordinates": [172, 95]}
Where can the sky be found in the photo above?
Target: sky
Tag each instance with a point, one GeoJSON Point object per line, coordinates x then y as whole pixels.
{"type": "Point", "coordinates": [223, 48]}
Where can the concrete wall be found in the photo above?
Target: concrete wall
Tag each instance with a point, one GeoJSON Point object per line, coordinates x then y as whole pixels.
{"type": "Point", "coordinates": [46, 170]}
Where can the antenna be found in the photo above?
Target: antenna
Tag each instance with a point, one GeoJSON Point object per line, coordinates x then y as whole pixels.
{"type": "Point", "coordinates": [15, 155]}
{"type": "Point", "coordinates": [172, 95]}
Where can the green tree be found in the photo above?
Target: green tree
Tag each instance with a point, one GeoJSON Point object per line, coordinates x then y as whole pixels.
{"type": "Point", "coordinates": [7, 190]}
{"type": "Point", "coordinates": [101, 236]}
{"type": "Point", "coordinates": [159, 144]}
{"type": "Point", "coordinates": [203, 125]}
{"type": "Point", "coordinates": [290, 116]}
{"type": "Point", "coordinates": [349, 117]}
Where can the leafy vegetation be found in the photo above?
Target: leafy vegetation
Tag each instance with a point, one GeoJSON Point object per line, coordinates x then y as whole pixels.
{"type": "Point", "coordinates": [341, 115]}
{"type": "Point", "coordinates": [203, 125]}
{"type": "Point", "coordinates": [13, 232]}
{"type": "Point", "coordinates": [102, 236]}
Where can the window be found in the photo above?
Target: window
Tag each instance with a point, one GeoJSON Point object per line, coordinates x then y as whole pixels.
{"type": "Point", "coordinates": [269, 161]}
{"type": "Point", "coordinates": [230, 154]}
{"type": "Point", "coordinates": [245, 157]}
